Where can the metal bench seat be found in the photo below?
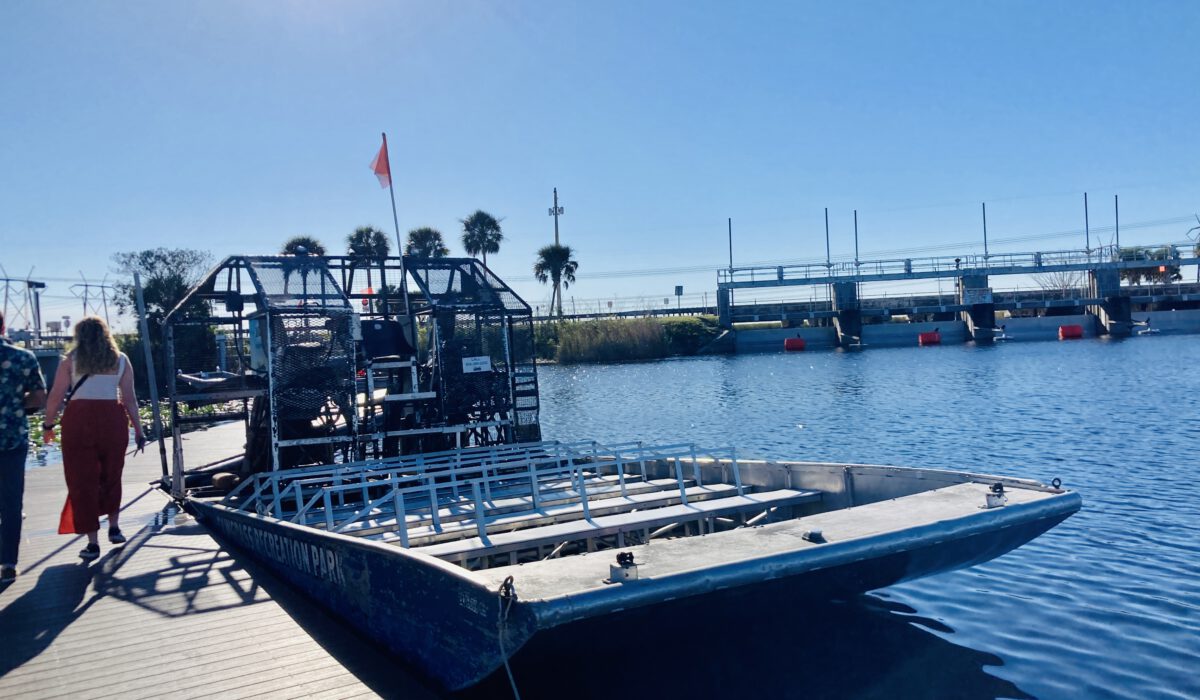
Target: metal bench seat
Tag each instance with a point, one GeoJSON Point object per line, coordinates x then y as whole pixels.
{"type": "Point", "coordinates": [563, 512]}
{"type": "Point", "coordinates": [505, 500]}
{"type": "Point", "coordinates": [462, 550]}
{"type": "Point", "coordinates": [553, 484]}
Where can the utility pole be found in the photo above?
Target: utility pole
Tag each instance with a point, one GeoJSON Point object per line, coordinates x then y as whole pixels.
{"type": "Point", "coordinates": [1087, 230]}
{"type": "Point", "coordinates": [1117, 224]}
{"type": "Point", "coordinates": [858, 285]}
{"type": "Point", "coordinates": [856, 240]}
{"type": "Point", "coordinates": [35, 289]}
{"type": "Point", "coordinates": [22, 302]}
{"type": "Point", "coordinates": [89, 305]}
{"type": "Point", "coordinates": [556, 211]}
{"type": "Point", "coordinates": [985, 246]}
{"type": "Point", "coordinates": [828, 263]}
{"type": "Point", "coordinates": [151, 376]}
{"type": "Point", "coordinates": [730, 223]}
{"type": "Point", "coordinates": [731, 248]}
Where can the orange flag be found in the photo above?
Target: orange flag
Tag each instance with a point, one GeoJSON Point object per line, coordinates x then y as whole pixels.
{"type": "Point", "coordinates": [381, 166]}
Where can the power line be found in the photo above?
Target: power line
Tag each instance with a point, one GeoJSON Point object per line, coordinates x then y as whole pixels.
{"type": "Point", "coordinates": [84, 291]}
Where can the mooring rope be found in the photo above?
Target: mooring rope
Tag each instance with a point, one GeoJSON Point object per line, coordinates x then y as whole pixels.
{"type": "Point", "coordinates": [505, 601]}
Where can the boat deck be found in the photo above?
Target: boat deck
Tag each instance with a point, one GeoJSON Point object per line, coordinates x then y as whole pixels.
{"type": "Point", "coordinates": [554, 578]}
{"type": "Point", "coordinates": [171, 613]}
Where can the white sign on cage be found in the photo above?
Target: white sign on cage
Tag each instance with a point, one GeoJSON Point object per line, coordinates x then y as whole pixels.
{"type": "Point", "coordinates": [477, 364]}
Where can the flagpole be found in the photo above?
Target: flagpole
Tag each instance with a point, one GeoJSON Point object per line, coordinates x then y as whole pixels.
{"type": "Point", "coordinates": [396, 222]}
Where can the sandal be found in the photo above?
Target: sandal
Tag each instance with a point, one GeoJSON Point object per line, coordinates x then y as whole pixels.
{"type": "Point", "coordinates": [90, 552]}
{"type": "Point", "coordinates": [115, 536]}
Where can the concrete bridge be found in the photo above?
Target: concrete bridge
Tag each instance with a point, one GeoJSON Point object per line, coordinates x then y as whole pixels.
{"type": "Point", "coordinates": [973, 301]}
{"type": "Point", "coordinates": [946, 306]}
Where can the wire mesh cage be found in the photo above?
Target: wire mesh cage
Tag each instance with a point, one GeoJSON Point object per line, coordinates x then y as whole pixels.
{"type": "Point", "coordinates": [312, 363]}
{"type": "Point", "coordinates": [335, 358]}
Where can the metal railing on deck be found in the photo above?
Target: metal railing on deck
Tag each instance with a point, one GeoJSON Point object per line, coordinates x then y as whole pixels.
{"type": "Point", "coordinates": [465, 485]}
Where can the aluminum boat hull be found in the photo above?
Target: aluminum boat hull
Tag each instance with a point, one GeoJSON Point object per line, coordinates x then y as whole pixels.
{"type": "Point", "coordinates": [446, 620]}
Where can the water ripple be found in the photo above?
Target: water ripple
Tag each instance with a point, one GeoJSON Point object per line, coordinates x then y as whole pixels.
{"type": "Point", "coordinates": [1105, 605]}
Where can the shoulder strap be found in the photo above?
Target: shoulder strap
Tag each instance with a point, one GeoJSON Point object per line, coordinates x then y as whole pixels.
{"type": "Point", "coordinates": [120, 367]}
{"type": "Point", "coordinates": [72, 390]}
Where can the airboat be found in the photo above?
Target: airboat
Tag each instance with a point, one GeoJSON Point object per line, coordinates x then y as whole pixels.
{"type": "Point", "coordinates": [395, 471]}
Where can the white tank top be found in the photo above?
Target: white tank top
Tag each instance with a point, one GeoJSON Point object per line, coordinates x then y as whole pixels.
{"type": "Point", "coordinates": [99, 386]}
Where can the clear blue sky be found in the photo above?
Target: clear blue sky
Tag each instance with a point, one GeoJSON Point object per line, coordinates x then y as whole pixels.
{"type": "Point", "coordinates": [231, 126]}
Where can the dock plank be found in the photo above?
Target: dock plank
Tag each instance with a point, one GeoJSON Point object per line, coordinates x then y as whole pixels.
{"type": "Point", "coordinates": [171, 612]}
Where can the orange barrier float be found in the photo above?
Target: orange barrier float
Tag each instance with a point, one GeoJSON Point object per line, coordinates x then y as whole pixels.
{"type": "Point", "coordinates": [1071, 332]}
{"type": "Point", "coordinates": [793, 344]}
{"type": "Point", "coordinates": [929, 338]}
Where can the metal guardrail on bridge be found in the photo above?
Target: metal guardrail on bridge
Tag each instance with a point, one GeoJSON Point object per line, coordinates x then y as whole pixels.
{"type": "Point", "coordinates": [935, 267]}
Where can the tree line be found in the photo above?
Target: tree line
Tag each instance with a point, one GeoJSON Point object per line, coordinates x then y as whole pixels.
{"type": "Point", "coordinates": [168, 273]}
{"type": "Point", "coordinates": [482, 235]}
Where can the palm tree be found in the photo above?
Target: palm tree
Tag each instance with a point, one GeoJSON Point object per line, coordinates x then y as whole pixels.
{"type": "Point", "coordinates": [366, 245]}
{"type": "Point", "coordinates": [481, 234]}
{"type": "Point", "coordinates": [426, 242]}
{"type": "Point", "coordinates": [311, 246]}
{"type": "Point", "coordinates": [301, 247]}
{"type": "Point", "coordinates": [554, 263]}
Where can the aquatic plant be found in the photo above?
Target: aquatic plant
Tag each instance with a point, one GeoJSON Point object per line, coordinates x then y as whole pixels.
{"type": "Point", "coordinates": [619, 339]}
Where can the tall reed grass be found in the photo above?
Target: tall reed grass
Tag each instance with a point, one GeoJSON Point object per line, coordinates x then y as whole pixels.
{"type": "Point", "coordinates": [623, 339]}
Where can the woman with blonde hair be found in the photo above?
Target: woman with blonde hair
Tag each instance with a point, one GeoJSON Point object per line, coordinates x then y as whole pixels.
{"type": "Point", "coordinates": [95, 382]}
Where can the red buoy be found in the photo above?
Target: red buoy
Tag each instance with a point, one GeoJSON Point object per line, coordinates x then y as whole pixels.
{"type": "Point", "coordinates": [793, 344]}
{"type": "Point", "coordinates": [1071, 332]}
{"type": "Point", "coordinates": [929, 338]}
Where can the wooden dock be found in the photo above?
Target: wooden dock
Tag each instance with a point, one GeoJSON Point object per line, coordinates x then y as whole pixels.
{"type": "Point", "coordinates": [170, 612]}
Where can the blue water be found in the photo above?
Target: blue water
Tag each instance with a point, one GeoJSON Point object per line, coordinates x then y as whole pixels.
{"type": "Point", "coordinates": [1105, 605]}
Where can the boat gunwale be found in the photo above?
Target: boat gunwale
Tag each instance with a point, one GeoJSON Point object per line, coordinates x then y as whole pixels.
{"type": "Point", "coordinates": [552, 611]}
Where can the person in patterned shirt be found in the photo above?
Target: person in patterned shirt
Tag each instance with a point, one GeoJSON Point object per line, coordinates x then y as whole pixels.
{"type": "Point", "coordinates": [22, 391]}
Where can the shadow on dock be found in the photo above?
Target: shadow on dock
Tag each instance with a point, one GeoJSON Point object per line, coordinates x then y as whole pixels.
{"type": "Point", "coordinates": [378, 669]}
{"type": "Point", "coordinates": [30, 623]}
{"type": "Point", "coordinates": [181, 584]}
{"type": "Point", "coordinates": [64, 592]}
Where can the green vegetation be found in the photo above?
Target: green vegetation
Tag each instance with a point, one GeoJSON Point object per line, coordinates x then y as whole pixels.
{"type": "Point", "coordinates": [145, 415]}
{"type": "Point", "coordinates": [611, 340]}
{"type": "Point", "coordinates": [366, 245]}
{"type": "Point", "coordinates": [481, 234]}
{"type": "Point", "coordinates": [686, 335]}
{"type": "Point", "coordinates": [556, 264]}
{"type": "Point", "coordinates": [311, 246]}
{"type": "Point", "coordinates": [545, 341]}
{"type": "Point", "coordinates": [622, 339]}
{"type": "Point", "coordinates": [1163, 274]}
{"type": "Point", "coordinates": [167, 274]}
{"type": "Point", "coordinates": [426, 242]}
